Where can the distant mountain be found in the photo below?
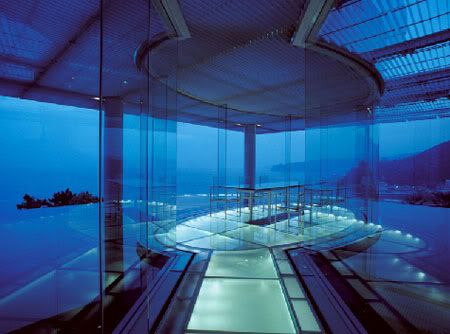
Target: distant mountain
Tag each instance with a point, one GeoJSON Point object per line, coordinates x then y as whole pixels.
{"type": "Point", "coordinates": [428, 168]}
{"type": "Point", "coordinates": [339, 167]}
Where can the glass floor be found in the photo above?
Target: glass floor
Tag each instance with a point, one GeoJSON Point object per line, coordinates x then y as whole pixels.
{"type": "Point", "coordinates": [249, 285]}
{"type": "Point", "coordinates": [394, 277]}
{"type": "Point", "coordinates": [230, 230]}
{"type": "Point", "coordinates": [242, 292]}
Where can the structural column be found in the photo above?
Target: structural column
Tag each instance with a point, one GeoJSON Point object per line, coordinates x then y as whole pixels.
{"type": "Point", "coordinates": [250, 164]}
{"type": "Point", "coordinates": [113, 183]}
{"type": "Point", "coordinates": [250, 156]}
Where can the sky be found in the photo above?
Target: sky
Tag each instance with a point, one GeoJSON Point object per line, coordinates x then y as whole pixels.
{"type": "Point", "coordinates": [48, 147]}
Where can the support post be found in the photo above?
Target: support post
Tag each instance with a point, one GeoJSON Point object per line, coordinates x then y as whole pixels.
{"type": "Point", "coordinates": [250, 164]}
{"type": "Point", "coordinates": [250, 156]}
{"type": "Point", "coordinates": [113, 183]}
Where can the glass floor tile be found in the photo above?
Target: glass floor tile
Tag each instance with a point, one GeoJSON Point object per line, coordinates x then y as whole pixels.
{"type": "Point", "coordinates": [220, 242]}
{"type": "Point", "coordinates": [291, 228]}
{"type": "Point", "coordinates": [285, 267]}
{"type": "Point", "coordinates": [305, 316]}
{"type": "Point", "coordinates": [279, 253]}
{"type": "Point", "coordinates": [244, 264]}
{"type": "Point", "coordinates": [183, 233]}
{"type": "Point", "coordinates": [213, 225]}
{"type": "Point", "coordinates": [244, 215]}
{"type": "Point", "coordinates": [384, 267]}
{"type": "Point", "coordinates": [241, 305]}
{"type": "Point", "coordinates": [262, 236]}
{"type": "Point", "coordinates": [293, 287]}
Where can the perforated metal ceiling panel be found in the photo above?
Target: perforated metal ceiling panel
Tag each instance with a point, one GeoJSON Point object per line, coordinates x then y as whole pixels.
{"type": "Point", "coordinates": [238, 54]}
{"type": "Point", "coordinates": [408, 42]}
{"type": "Point", "coordinates": [252, 67]}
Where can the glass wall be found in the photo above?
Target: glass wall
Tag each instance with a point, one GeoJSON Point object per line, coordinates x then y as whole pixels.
{"type": "Point", "coordinates": [272, 165]}
{"type": "Point", "coordinates": [391, 179]}
{"type": "Point", "coordinates": [90, 148]}
{"type": "Point", "coordinates": [48, 247]}
{"type": "Point", "coordinates": [49, 125]}
{"type": "Point", "coordinates": [197, 158]}
{"type": "Point", "coordinates": [412, 159]}
{"type": "Point", "coordinates": [414, 188]}
{"type": "Point", "coordinates": [208, 157]}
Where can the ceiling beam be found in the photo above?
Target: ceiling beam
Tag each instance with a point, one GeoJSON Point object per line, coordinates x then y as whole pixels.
{"type": "Point", "coordinates": [60, 53]}
{"type": "Point", "coordinates": [170, 12]}
{"type": "Point", "coordinates": [407, 47]}
{"type": "Point", "coordinates": [48, 94]}
{"type": "Point", "coordinates": [426, 86]}
{"type": "Point", "coordinates": [418, 79]}
{"type": "Point", "coordinates": [415, 97]}
{"type": "Point", "coordinates": [390, 116]}
{"type": "Point", "coordinates": [310, 22]}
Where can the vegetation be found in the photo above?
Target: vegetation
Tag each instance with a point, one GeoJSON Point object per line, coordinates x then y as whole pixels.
{"type": "Point", "coordinates": [60, 198]}
{"type": "Point", "coordinates": [440, 199]}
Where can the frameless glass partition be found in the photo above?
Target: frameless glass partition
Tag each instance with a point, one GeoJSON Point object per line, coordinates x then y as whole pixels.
{"type": "Point", "coordinates": [196, 164]}
{"type": "Point", "coordinates": [383, 165]}
{"type": "Point", "coordinates": [49, 193]}
{"type": "Point", "coordinates": [124, 155]}
{"type": "Point", "coordinates": [162, 157]}
{"type": "Point", "coordinates": [273, 158]}
{"type": "Point", "coordinates": [49, 235]}
{"type": "Point", "coordinates": [90, 142]}
{"type": "Point", "coordinates": [414, 187]}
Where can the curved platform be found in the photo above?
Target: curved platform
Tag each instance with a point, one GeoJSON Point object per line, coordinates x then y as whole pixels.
{"type": "Point", "coordinates": [229, 231]}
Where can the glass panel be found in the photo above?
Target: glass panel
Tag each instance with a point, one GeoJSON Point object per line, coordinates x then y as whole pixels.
{"type": "Point", "coordinates": [241, 305]}
{"type": "Point", "coordinates": [49, 192]}
{"type": "Point", "coordinates": [285, 267]}
{"type": "Point", "coordinates": [196, 164]}
{"type": "Point", "coordinates": [293, 287]}
{"type": "Point", "coordinates": [274, 165]}
{"type": "Point", "coordinates": [50, 236]}
{"type": "Point", "coordinates": [124, 160]}
{"type": "Point", "coordinates": [305, 316]}
{"type": "Point", "coordinates": [251, 263]}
